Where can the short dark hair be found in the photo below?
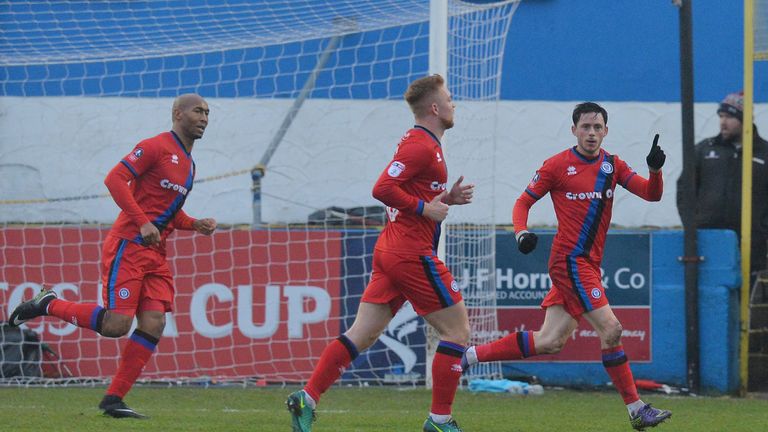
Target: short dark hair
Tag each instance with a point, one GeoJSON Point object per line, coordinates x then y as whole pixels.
{"type": "Point", "coordinates": [420, 89]}
{"type": "Point", "coordinates": [586, 108]}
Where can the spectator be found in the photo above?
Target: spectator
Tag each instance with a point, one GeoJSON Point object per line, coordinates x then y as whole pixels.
{"type": "Point", "coordinates": [717, 191]}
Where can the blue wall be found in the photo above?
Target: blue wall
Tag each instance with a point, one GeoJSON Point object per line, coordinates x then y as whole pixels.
{"type": "Point", "coordinates": [609, 50]}
{"type": "Point", "coordinates": [559, 50]}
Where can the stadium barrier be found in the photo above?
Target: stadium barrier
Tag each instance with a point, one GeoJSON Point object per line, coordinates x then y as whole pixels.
{"type": "Point", "coordinates": [232, 323]}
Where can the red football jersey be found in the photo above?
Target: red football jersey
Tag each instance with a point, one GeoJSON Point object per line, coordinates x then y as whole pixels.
{"type": "Point", "coordinates": [416, 174]}
{"type": "Point", "coordinates": [163, 172]}
{"type": "Point", "coordinates": [582, 193]}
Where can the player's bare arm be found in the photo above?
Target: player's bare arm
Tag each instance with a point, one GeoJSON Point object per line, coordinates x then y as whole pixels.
{"type": "Point", "coordinates": [460, 194]}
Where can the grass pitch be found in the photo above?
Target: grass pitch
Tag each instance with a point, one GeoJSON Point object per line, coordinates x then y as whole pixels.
{"type": "Point", "coordinates": [363, 409]}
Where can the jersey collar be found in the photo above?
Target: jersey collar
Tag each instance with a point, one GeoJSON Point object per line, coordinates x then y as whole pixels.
{"type": "Point", "coordinates": [584, 158]}
{"type": "Point", "coordinates": [178, 141]}
{"type": "Point", "coordinates": [434, 137]}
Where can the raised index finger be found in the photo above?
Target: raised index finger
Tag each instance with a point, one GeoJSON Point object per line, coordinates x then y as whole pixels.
{"type": "Point", "coordinates": [655, 141]}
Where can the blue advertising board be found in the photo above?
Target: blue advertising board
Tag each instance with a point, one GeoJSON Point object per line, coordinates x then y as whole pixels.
{"type": "Point", "coordinates": [522, 283]}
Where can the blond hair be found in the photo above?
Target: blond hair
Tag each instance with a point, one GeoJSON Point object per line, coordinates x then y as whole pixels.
{"type": "Point", "coordinates": [419, 92]}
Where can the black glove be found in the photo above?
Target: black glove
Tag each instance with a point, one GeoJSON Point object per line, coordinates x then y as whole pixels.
{"type": "Point", "coordinates": [526, 242]}
{"type": "Point", "coordinates": [656, 156]}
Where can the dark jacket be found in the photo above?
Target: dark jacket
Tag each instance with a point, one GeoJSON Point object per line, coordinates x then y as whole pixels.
{"type": "Point", "coordinates": [718, 189]}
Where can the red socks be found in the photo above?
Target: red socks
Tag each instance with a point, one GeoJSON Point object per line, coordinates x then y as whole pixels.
{"type": "Point", "coordinates": [86, 315]}
{"type": "Point", "coordinates": [520, 345]}
{"type": "Point", "coordinates": [446, 372]}
{"type": "Point", "coordinates": [135, 356]}
{"type": "Point", "coordinates": [617, 366]}
{"type": "Point", "coordinates": [514, 346]}
{"type": "Point", "coordinates": [137, 350]}
{"type": "Point", "coordinates": [333, 361]}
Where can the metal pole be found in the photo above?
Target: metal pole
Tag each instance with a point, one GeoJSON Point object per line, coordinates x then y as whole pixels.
{"type": "Point", "coordinates": [438, 38]}
{"type": "Point", "coordinates": [691, 255]}
{"type": "Point", "coordinates": [746, 194]}
{"type": "Point", "coordinates": [258, 171]}
{"type": "Point", "coordinates": [438, 64]}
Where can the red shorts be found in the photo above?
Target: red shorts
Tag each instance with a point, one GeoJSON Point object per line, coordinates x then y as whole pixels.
{"type": "Point", "coordinates": [423, 280]}
{"type": "Point", "coordinates": [576, 284]}
{"type": "Point", "coordinates": [134, 278]}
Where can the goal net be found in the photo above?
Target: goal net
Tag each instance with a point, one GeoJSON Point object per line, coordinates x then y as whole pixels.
{"type": "Point", "coordinates": [760, 18]}
{"type": "Point", "coordinates": [315, 85]}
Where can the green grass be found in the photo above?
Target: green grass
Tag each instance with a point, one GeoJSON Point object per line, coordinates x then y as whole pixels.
{"type": "Point", "coordinates": [368, 409]}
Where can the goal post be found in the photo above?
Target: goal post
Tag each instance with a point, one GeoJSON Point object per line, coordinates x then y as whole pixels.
{"type": "Point", "coordinates": [468, 248]}
{"type": "Point", "coordinates": [256, 303]}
